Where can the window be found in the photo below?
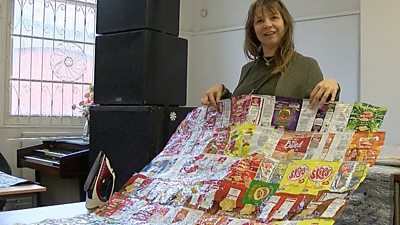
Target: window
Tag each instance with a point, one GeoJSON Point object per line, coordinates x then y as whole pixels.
{"type": "Point", "coordinates": [52, 56]}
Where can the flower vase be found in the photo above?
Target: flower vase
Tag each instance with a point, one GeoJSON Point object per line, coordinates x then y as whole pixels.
{"type": "Point", "coordinates": [86, 130]}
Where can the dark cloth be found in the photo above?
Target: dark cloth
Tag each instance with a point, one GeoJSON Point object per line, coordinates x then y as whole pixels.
{"type": "Point", "coordinates": [298, 81]}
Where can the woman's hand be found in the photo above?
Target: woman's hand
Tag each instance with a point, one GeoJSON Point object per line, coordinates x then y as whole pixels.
{"type": "Point", "coordinates": [212, 96]}
{"type": "Point", "coordinates": [322, 91]}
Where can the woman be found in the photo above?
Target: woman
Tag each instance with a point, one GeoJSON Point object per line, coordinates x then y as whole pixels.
{"type": "Point", "coordinates": [276, 68]}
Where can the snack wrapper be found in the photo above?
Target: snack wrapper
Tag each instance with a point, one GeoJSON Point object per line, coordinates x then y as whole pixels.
{"type": "Point", "coordinates": [295, 177]}
{"type": "Point", "coordinates": [321, 176]}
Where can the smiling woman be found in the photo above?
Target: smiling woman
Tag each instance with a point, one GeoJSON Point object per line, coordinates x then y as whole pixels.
{"type": "Point", "coordinates": [269, 33]}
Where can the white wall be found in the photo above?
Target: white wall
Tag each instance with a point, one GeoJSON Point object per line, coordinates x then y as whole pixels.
{"type": "Point", "coordinates": [380, 61]}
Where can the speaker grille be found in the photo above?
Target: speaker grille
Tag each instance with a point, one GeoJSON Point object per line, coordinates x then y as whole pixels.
{"type": "Point", "coordinates": [130, 136]}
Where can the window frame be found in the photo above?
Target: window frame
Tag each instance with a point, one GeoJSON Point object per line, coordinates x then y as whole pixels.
{"type": "Point", "coordinates": [6, 21]}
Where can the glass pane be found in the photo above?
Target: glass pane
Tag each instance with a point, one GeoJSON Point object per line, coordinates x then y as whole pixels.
{"type": "Point", "coordinates": [17, 18]}
{"type": "Point", "coordinates": [57, 99]}
{"type": "Point", "coordinates": [38, 18]}
{"type": "Point", "coordinates": [67, 99]}
{"type": "Point", "coordinates": [46, 98]}
{"type": "Point", "coordinates": [26, 55]}
{"type": "Point", "coordinates": [90, 33]}
{"type": "Point", "coordinates": [14, 92]}
{"type": "Point", "coordinates": [77, 97]}
{"type": "Point", "coordinates": [36, 99]}
{"type": "Point", "coordinates": [80, 23]}
{"type": "Point", "coordinates": [70, 22]}
{"type": "Point", "coordinates": [49, 22]}
{"type": "Point", "coordinates": [47, 51]}
{"type": "Point", "coordinates": [25, 98]}
{"type": "Point", "coordinates": [37, 56]}
{"type": "Point", "coordinates": [89, 75]}
{"type": "Point", "coordinates": [59, 32]}
{"type": "Point", "coordinates": [27, 17]}
{"type": "Point", "coordinates": [16, 41]}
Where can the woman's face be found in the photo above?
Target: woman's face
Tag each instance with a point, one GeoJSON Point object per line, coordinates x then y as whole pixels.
{"type": "Point", "coordinates": [269, 28]}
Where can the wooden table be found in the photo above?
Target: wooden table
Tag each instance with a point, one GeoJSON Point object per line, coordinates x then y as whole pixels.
{"type": "Point", "coordinates": [21, 191]}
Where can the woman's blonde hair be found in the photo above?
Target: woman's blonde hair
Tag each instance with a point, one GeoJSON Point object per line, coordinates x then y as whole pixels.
{"type": "Point", "coordinates": [252, 46]}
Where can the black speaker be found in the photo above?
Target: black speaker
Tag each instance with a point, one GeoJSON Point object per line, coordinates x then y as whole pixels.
{"type": "Point", "coordinates": [130, 136]}
{"type": "Point", "coordinates": [140, 68]}
{"type": "Point", "coordinates": [127, 15]}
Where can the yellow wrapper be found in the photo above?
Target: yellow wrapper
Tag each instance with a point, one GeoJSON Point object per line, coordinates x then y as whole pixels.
{"type": "Point", "coordinates": [316, 222]}
{"type": "Point", "coordinates": [295, 177]}
{"type": "Point", "coordinates": [239, 140]}
{"type": "Point", "coordinates": [321, 176]}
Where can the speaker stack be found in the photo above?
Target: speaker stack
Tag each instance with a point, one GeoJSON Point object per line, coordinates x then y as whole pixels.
{"type": "Point", "coordinates": [139, 84]}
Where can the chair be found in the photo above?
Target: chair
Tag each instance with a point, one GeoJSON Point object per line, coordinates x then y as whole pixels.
{"type": "Point", "coordinates": [4, 167]}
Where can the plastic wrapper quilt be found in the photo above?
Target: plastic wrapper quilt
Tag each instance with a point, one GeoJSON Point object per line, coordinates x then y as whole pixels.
{"type": "Point", "coordinates": [254, 160]}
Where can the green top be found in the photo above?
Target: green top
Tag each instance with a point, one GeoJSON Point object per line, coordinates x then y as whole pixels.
{"type": "Point", "coordinates": [299, 79]}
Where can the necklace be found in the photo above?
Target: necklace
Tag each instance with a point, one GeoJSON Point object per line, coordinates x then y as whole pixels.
{"type": "Point", "coordinates": [268, 61]}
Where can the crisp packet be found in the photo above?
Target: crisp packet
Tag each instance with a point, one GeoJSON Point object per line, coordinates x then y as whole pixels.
{"type": "Point", "coordinates": [133, 183]}
{"type": "Point", "coordinates": [203, 195]}
{"type": "Point", "coordinates": [306, 117]}
{"type": "Point", "coordinates": [268, 207]}
{"type": "Point", "coordinates": [365, 147]}
{"type": "Point", "coordinates": [321, 176]}
{"type": "Point", "coordinates": [255, 109]}
{"type": "Point", "coordinates": [323, 117]}
{"type": "Point", "coordinates": [279, 172]}
{"type": "Point", "coordinates": [350, 176]}
{"type": "Point", "coordinates": [205, 167]}
{"type": "Point", "coordinates": [244, 170]}
{"type": "Point", "coordinates": [315, 147]}
{"type": "Point", "coordinates": [224, 109]}
{"type": "Point", "coordinates": [340, 117]}
{"type": "Point", "coordinates": [295, 177]}
{"type": "Point", "coordinates": [258, 191]}
{"type": "Point", "coordinates": [288, 206]}
{"type": "Point", "coordinates": [292, 145]}
{"type": "Point", "coordinates": [259, 138]}
{"type": "Point", "coordinates": [239, 140]}
{"type": "Point", "coordinates": [266, 169]}
{"type": "Point", "coordinates": [218, 142]}
{"type": "Point", "coordinates": [186, 216]}
{"type": "Point", "coordinates": [239, 109]}
{"type": "Point", "coordinates": [212, 219]}
{"type": "Point", "coordinates": [339, 145]}
{"type": "Point", "coordinates": [366, 117]}
{"type": "Point", "coordinates": [230, 195]}
{"type": "Point", "coordinates": [286, 113]}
